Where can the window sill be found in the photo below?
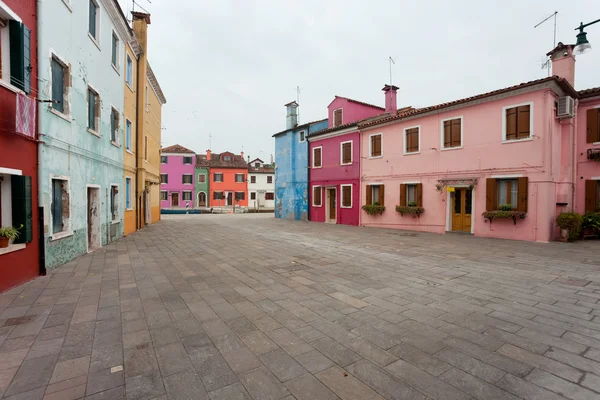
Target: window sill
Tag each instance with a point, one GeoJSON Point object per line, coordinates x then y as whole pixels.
{"type": "Point", "coordinates": [116, 68]}
{"type": "Point", "coordinates": [61, 115]}
{"type": "Point", "coordinates": [313, 167]}
{"type": "Point", "coordinates": [452, 148]}
{"type": "Point", "coordinates": [68, 4]}
{"type": "Point", "coordinates": [129, 151]}
{"type": "Point", "coordinates": [115, 144]}
{"type": "Point", "coordinates": [317, 206]}
{"type": "Point", "coordinates": [94, 41]}
{"type": "Point", "coordinates": [115, 221]}
{"type": "Point", "coordinates": [374, 157]}
{"type": "Point", "coordinates": [349, 163]}
{"type": "Point", "coordinates": [61, 235]}
{"type": "Point", "coordinates": [12, 247]}
{"type": "Point", "coordinates": [346, 207]}
{"type": "Point", "coordinates": [93, 132]}
{"type": "Point", "coordinates": [129, 209]}
{"type": "Point", "coordinates": [529, 139]}
{"type": "Point", "coordinates": [412, 153]}
{"type": "Point", "coordinates": [129, 86]}
{"type": "Point", "coordinates": [596, 144]}
{"type": "Point", "coordinates": [9, 86]}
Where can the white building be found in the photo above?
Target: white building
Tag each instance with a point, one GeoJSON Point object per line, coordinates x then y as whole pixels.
{"type": "Point", "coordinates": [261, 186]}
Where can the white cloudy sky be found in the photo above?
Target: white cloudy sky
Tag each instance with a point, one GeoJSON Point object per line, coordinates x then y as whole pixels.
{"type": "Point", "coordinates": [228, 66]}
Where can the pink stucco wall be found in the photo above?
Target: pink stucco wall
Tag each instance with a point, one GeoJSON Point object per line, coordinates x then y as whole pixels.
{"type": "Point", "coordinates": [333, 174]}
{"type": "Point", "coordinates": [351, 111]}
{"type": "Point", "coordinates": [586, 169]}
{"type": "Point", "coordinates": [175, 169]}
{"type": "Point", "coordinates": [483, 155]}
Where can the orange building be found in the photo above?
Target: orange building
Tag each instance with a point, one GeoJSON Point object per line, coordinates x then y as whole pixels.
{"type": "Point", "coordinates": [228, 175]}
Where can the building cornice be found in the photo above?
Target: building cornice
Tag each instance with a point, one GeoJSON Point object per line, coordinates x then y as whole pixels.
{"type": "Point", "coordinates": [155, 86]}
{"type": "Point", "coordinates": [341, 132]}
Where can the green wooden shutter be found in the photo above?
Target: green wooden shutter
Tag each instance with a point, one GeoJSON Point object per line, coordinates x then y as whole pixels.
{"type": "Point", "coordinates": [21, 207]}
{"type": "Point", "coordinates": [20, 56]}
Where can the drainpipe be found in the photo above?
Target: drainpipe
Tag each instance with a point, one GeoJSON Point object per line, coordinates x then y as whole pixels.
{"type": "Point", "coordinates": [575, 162]}
{"type": "Point", "coordinates": [137, 147]}
{"type": "Point", "coordinates": [41, 208]}
{"type": "Point", "coordinates": [308, 189]}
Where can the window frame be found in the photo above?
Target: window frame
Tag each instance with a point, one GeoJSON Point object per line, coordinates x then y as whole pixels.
{"type": "Point", "coordinates": [221, 195]}
{"type": "Point", "coordinates": [269, 179]}
{"type": "Point", "coordinates": [462, 131]}
{"type": "Point", "coordinates": [129, 143]}
{"type": "Point", "coordinates": [129, 74]}
{"type": "Point", "coordinates": [320, 196]}
{"type": "Point", "coordinates": [236, 178]}
{"type": "Point", "coordinates": [191, 160]}
{"type": "Point", "coordinates": [513, 180]}
{"type": "Point", "coordinates": [342, 195]}
{"type": "Point", "coordinates": [97, 110]}
{"type": "Point", "coordinates": [370, 155]}
{"type": "Point", "coordinates": [167, 180]}
{"type": "Point", "coordinates": [302, 135]}
{"type": "Point", "coordinates": [146, 148]}
{"type": "Point", "coordinates": [342, 152]}
{"type": "Point", "coordinates": [313, 157]}
{"type": "Point", "coordinates": [117, 114]}
{"type": "Point", "coordinates": [271, 193]}
{"type": "Point", "coordinates": [191, 179]}
{"type": "Point", "coordinates": [214, 177]}
{"type": "Point", "coordinates": [183, 192]}
{"type": "Point", "coordinates": [166, 158]}
{"type": "Point", "coordinates": [166, 197]}
{"type": "Point", "coordinates": [204, 175]}
{"type": "Point", "coordinates": [128, 198]}
{"type": "Point", "coordinates": [96, 37]}
{"type": "Point", "coordinates": [595, 142]}
{"type": "Point", "coordinates": [407, 153]}
{"type": "Point", "coordinates": [116, 44]}
{"type": "Point", "coordinates": [531, 133]}
{"type": "Point", "coordinates": [252, 195]}
{"type": "Point", "coordinates": [235, 196]}
{"type": "Point", "coordinates": [252, 178]}
{"type": "Point", "coordinates": [114, 220]}
{"type": "Point", "coordinates": [66, 113]}
{"type": "Point", "coordinates": [341, 110]}
{"type": "Point", "coordinates": [67, 231]}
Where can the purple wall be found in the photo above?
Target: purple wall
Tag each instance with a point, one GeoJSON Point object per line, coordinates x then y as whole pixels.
{"type": "Point", "coordinates": [175, 169]}
{"type": "Point", "coordinates": [352, 111]}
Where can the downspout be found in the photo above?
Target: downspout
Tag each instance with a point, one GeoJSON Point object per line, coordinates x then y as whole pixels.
{"type": "Point", "coordinates": [308, 189]}
{"type": "Point", "coordinates": [41, 222]}
{"type": "Point", "coordinates": [137, 147]}
{"type": "Point", "coordinates": [575, 162]}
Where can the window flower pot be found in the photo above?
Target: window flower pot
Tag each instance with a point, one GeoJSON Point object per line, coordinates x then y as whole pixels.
{"type": "Point", "coordinates": [503, 214]}
{"type": "Point", "coordinates": [4, 242]}
{"type": "Point", "coordinates": [373, 209]}
{"type": "Point", "coordinates": [413, 210]}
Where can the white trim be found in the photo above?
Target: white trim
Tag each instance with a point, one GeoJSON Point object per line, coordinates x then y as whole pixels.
{"type": "Point", "coordinates": [68, 232]}
{"type": "Point", "coordinates": [313, 196]}
{"type": "Point", "coordinates": [117, 65]}
{"type": "Point", "coordinates": [10, 87]}
{"type": "Point", "coordinates": [235, 178]}
{"type": "Point", "coordinates": [513, 176]}
{"type": "Point", "coordinates": [199, 178]}
{"type": "Point", "coordinates": [313, 157]}
{"type": "Point", "coordinates": [222, 176]}
{"type": "Point", "coordinates": [117, 135]}
{"type": "Point", "coordinates": [178, 155]}
{"type": "Point", "coordinates": [410, 182]}
{"type": "Point", "coordinates": [595, 178]}
{"type": "Point", "coordinates": [12, 247]}
{"type": "Point", "coordinates": [96, 39]}
{"type": "Point", "coordinates": [115, 221]}
{"type": "Point", "coordinates": [191, 196]}
{"type": "Point", "coordinates": [302, 133]}
{"type": "Point", "coordinates": [183, 160]}
{"type": "Point", "coordinates": [164, 191]}
{"type": "Point", "coordinates": [67, 86]}
{"type": "Point", "coordinates": [10, 171]}
{"type": "Point", "coordinates": [128, 57]}
{"type": "Point", "coordinates": [192, 180]}
{"type": "Point", "coordinates": [8, 11]}
{"type": "Point", "coordinates": [328, 218]}
{"type": "Point", "coordinates": [341, 132]}
{"type": "Point", "coordinates": [129, 149]}
{"type": "Point", "coordinates": [87, 221]}
{"type": "Point", "coordinates": [375, 134]}
{"type": "Point", "coordinates": [130, 191]}
{"type": "Point", "coordinates": [98, 108]}
{"type": "Point", "coordinates": [333, 117]}
{"type": "Point", "coordinates": [374, 183]}
{"type": "Point", "coordinates": [342, 195]}
{"type": "Point", "coordinates": [68, 4]}
{"type": "Point", "coordinates": [531, 134]}
{"type": "Point", "coordinates": [462, 130]}
{"type": "Point", "coordinates": [449, 209]}
{"type": "Point", "coordinates": [342, 152]}
{"type": "Point", "coordinates": [198, 199]}
{"type": "Point", "coordinates": [404, 152]}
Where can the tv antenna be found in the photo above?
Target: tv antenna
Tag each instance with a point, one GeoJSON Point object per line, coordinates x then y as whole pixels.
{"type": "Point", "coordinates": [546, 64]}
{"type": "Point", "coordinates": [391, 61]}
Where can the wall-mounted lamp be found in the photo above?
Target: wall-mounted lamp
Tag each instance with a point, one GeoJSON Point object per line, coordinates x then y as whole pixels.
{"type": "Point", "coordinates": [583, 46]}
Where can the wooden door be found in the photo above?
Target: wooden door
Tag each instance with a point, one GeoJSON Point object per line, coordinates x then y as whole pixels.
{"type": "Point", "coordinates": [331, 204]}
{"type": "Point", "coordinates": [229, 198]}
{"type": "Point", "coordinates": [461, 210]}
{"type": "Point", "coordinates": [174, 199]}
{"type": "Point", "coordinates": [201, 199]}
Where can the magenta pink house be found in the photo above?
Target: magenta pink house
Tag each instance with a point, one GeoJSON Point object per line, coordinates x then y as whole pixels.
{"type": "Point", "coordinates": [177, 177]}
{"type": "Point", "coordinates": [524, 148]}
{"type": "Point", "coordinates": [334, 160]}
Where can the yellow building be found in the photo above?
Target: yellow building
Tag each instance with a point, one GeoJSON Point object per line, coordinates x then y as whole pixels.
{"type": "Point", "coordinates": [142, 127]}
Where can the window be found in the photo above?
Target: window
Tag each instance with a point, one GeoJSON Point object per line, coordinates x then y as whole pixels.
{"type": "Point", "coordinates": [252, 178]}
{"type": "Point", "coordinates": [186, 179]}
{"type": "Point", "coordinates": [375, 195]}
{"type": "Point", "coordinates": [218, 177]}
{"type": "Point", "coordinates": [60, 85]}
{"type": "Point", "coordinates": [164, 159]}
{"type": "Point", "coordinates": [452, 133]}
{"type": "Point", "coordinates": [128, 193]}
{"type": "Point", "coordinates": [239, 178]}
{"type": "Point", "coordinates": [15, 46]}
{"type": "Point", "coordinates": [164, 178]}
{"type": "Point", "coordinates": [252, 195]}
{"type": "Point", "coordinates": [114, 202]}
{"type": "Point", "coordinates": [16, 205]}
{"type": "Point", "coordinates": [114, 126]}
{"type": "Point", "coordinates": [375, 145]}
{"type": "Point", "coordinates": [201, 178]}
{"type": "Point", "coordinates": [128, 134]}
{"type": "Point", "coordinates": [269, 178]}
{"type": "Point", "coordinates": [240, 196]}
{"type": "Point", "coordinates": [164, 196]}
{"type": "Point", "coordinates": [518, 121]}
{"type": "Point", "coordinates": [593, 125]}
{"type": "Point", "coordinates": [346, 153]}
{"type": "Point", "coordinates": [411, 194]}
{"type": "Point", "coordinates": [337, 117]}
{"type": "Point", "coordinates": [60, 206]}
{"type": "Point", "coordinates": [316, 159]}
{"type": "Point", "coordinates": [186, 196]}
{"type": "Point", "coordinates": [411, 140]}
{"type": "Point", "coordinates": [187, 160]}
{"type": "Point", "coordinates": [146, 99]}
{"type": "Point", "coordinates": [592, 195]}
{"type": "Point", "coordinates": [302, 136]}
{"type": "Point", "coordinates": [257, 165]}
{"type": "Point", "coordinates": [269, 196]}
{"type": "Point", "coordinates": [93, 111]}
{"type": "Point", "coordinates": [94, 16]}
{"type": "Point", "coordinates": [503, 191]}
{"type": "Point", "coordinates": [129, 72]}
{"type": "Point", "coordinates": [317, 198]}
{"type": "Point", "coordinates": [218, 196]}
{"type": "Point", "coordinates": [201, 199]}
{"type": "Point", "coordinates": [115, 50]}
{"type": "Point", "coordinates": [226, 158]}
{"type": "Point", "coordinates": [146, 148]}
{"type": "Point", "coordinates": [346, 196]}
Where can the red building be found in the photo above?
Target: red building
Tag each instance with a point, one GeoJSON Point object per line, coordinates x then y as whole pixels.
{"type": "Point", "coordinates": [20, 261]}
{"type": "Point", "coordinates": [228, 181]}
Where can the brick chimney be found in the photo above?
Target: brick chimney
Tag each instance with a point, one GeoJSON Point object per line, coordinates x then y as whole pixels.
{"type": "Point", "coordinates": [242, 154]}
{"type": "Point", "coordinates": [563, 62]}
{"type": "Point", "coordinates": [291, 119]}
{"type": "Point", "coordinates": [207, 155]}
{"type": "Point", "coordinates": [390, 98]}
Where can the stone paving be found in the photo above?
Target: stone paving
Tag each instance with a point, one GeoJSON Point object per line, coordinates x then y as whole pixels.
{"type": "Point", "coordinates": [249, 307]}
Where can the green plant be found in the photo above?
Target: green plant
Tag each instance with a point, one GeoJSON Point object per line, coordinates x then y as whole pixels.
{"type": "Point", "coordinates": [591, 220]}
{"type": "Point", "coordinates": [505, 207]}
{"type": "Point", "coordinates": [10, 232]}
{"type": "Point", "coordinates": [504, 214]}
{"type": "Point", "coordinates": [417, 211]}
{"type": "Point", "coordinates": [570, 221]}
{"type": "Point", "coordinates": [373, 209]}
{"type": "Point", "coordinates": [412, 204]}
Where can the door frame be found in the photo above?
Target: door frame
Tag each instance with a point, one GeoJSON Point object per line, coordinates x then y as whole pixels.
{"type": "Point", "coordinates": [449, 208]}
{"type": "Point", "coordinates": [227, 198]}
{"type": "Point", "coordinates": [98, 218]}
{"type": "Point", "coordinates": [198, 199]}
{"type": "Point", "coordinates": [171, 198]}
{"type": "Point", "coordinates": [327, 198]}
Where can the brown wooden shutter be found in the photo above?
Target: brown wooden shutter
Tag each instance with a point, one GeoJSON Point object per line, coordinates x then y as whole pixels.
{"type": "Point", "coordinates": [369, 200]}
{"type": "Point", "coordinates": [419, 194]}
{"type": "Point", "coordinates": [522, 194]}
{"type": "Point", "coordinates": [415, 140]}
{"type": "Point", "coordinates": [381, 195]}
{"type": "Point", "coordinates": [591, 200]}
{"type": "Point", "coordinates": [402, 195]}
{"type": "Point", "coordinates": [376, 146]}
{"type": "Point", "coordinates": [337, 118]}
{"type": "Point", "coordinates": [347, 153]}
{"type": "Point", "coordinates": [593, 125]}
{"type": "Point", "coordinates": [447, 133]}
{"type": "Point", "coordinates": [456, 139]}
{"type": "Point", "coordinates": [523, 127]}
{"type": "Point", "coordinates": [511, 123]}
{"type": "Point", "coordinates": [317, 157]}
{"type": "Point", "coordinates": [346, 196]}
{"type": "Point", "coordinates": [490, 194]}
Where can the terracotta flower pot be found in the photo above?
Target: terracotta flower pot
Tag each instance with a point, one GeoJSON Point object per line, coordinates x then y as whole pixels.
{"type": "Point", "coordinates": [4, 242]}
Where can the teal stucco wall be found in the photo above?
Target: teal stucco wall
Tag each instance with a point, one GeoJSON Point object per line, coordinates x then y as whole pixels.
{"type": "Point", "coordinates": [201, 187]}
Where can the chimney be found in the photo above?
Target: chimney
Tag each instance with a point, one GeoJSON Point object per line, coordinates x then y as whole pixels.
{"type": "Point", "coordinates": [291, 119]}
{"type": "Point", "coordinates": [242, 154]}
{"type": "Point", "coordinates": [207, 155]}
{"type": "Point", "coordinates": [390, 98]}
{"type": "Point", "coordinates": [563, 62]}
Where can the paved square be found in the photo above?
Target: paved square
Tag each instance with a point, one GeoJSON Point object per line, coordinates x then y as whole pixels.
{"type": "Point", "coordinates": [249, 307]}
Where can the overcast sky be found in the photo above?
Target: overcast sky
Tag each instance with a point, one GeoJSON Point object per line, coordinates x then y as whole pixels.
{"type": "Point", "coordinates": [227, 67]}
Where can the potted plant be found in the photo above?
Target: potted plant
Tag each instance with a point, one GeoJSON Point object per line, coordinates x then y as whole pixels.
{"type": "Point", "coordinates": [411, 208]}
{"type": "Point", "coordinates": [570, 225]}
{"type": "Point", "coordinates": [590, 224]}
{"type": "Point", "coordinates": [505, 211]}
{"type": "Point", "coordinates": [7, 234]}
{"type": "Point", "coordinates": [373, 209]}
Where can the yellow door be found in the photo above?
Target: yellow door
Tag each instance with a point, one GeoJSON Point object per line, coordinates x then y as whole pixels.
{"type": "Point", "coordinates": [461, 210]}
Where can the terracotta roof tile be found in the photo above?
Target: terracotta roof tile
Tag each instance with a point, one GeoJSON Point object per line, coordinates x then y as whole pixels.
{"type": "Point", "coordinates": [176, 148]}
{"type": "Point", "coordinates": [216, 162]}
{"type": "Point", "coordinates": [306, 125]}
{"type": "Point", "coordinates": [360, 102]}
{"type": "Point", "coordinates": [262, 170]}
{"type": "Point", "coordinates": [591, 92]}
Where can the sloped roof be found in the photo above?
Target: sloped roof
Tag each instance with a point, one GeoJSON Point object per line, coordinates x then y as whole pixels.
{"type": "Point", "coordinates": [357, 102]}
{"type": "Point", "coordinates": [591, 92]}
{"type": "Point", "coordinates": [262, 170]}
{"type": "Point", "coordinates": [306, 125]}
{"type": "Point", "coordinates": [216, 162]}
{"type": "Point", "coordinates": [177, 148]}
{"type": "Point", "coordinates": [256, 159]}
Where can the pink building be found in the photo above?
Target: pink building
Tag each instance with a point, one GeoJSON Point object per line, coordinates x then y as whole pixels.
{"type": "Point", "coordinates": [523, 148]}
{"type": "Point", "coordinates": [177, 165]}
{"type": "Point", "coordinates": [334, 159]}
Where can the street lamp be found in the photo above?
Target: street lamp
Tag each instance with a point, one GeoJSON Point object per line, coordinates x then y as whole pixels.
{"type": "Point", "coordinates": [583, 46]}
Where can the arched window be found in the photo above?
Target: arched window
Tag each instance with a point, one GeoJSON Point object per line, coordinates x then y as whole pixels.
{"type": "Point", "coordinates": [201, 199]}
